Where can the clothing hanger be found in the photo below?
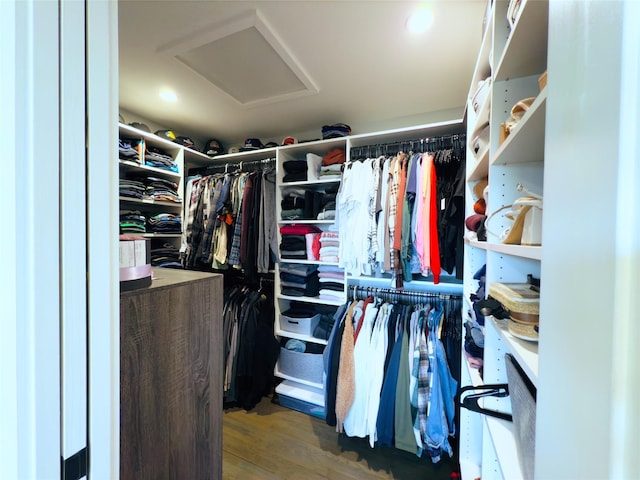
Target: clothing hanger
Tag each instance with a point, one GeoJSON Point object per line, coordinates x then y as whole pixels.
{"type": "Point", "coordinates": [470, 402]}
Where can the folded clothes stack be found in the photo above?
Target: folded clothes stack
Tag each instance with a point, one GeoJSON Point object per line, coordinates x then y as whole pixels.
{"type": "Point", "coordinates": [129, 150]}
{"type": "Point", "coordinates": [132, 188]}
{"type": "Point", "coordinates": [165, 256]}
{"type": "Point", "coordinates": [293, 247]}
{"type": "Point", "coordinates": [132, 221]}
{"type": "Point", "coordinates": [294, 242]}
{"type": "Point", "coordinates": [293, 204]}
{"type": "Point", "coordinates": [164, 223]}
{"type": "Point", "coordinates": [336, 130]}
{"type": "Point", "coordinates": [156, 157]}
{"type": "Point", "coordinates": [474, 345]}
{"type": "Point", "coordinates": [329, 247]}
{"type": "Point", "coordinates": [299, 280]}
{"type": "Point", "coordinates": [295, 171]}
{"type": "Point", "coordinates": [161, 189]}
{"type": "Point", "coordinates": [332, 163]}
{"type": "Point", "coordinates": [332, 282]}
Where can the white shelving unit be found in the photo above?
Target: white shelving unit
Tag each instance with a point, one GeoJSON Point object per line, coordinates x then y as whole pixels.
{"type": "Point", "coordinates": [514, 58]}
{"type": "Point", "coordinates": [301, 387]}
{"type": "Point", "coordinates": [131, 168]}
{"type": "Point", "coordinates": [297, 387]}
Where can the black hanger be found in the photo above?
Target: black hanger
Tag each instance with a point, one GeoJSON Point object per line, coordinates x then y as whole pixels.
{"type": "Point", "coordinates": [470, 402]}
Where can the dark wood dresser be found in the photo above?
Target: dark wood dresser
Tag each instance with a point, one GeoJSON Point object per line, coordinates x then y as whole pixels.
{"type": "Point", "coordinates": [171, 369]}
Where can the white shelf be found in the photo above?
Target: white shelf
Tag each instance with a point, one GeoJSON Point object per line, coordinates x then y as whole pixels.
{"type": "Point", "coordinates": [476, 244]}
{"type": "Point", "coordinates": [483, 62]}
{"type": "Point", "coordinates": [504, 443]}
{"type": "Point", "coordinates": [469, 470]}
{"type": "Point", "coordinates": [480, 168]}
{"type": "Point", "coordinates": [526, 141]}
{"type": "Point", "coordinates": [296, 392]}
{"type": "Point", "coordinates": [307, 262]}
{"type": "Point", "coordinates": [308, 222]}
{"type": "Point", "coordinates": [525, 53]}
{"type": "Point", "coordinates": [301, 391]}
{"type": "Point", "coordinates": [311, 183]}
{"type": "Point", "coordinates": [160, 235]}
{"type": "Point", "coordinates": [307, 338]}
{"type": "Point", "coordinates": [523, 251]}
{"type": "Point", "coordinates": [230, 159]}
{"type": "Point", "coordinates": [151, 138]}
{"type": "Point", "coordinates": [482, 118]}
{"type": "Point", "coordinates": [525, 352]}
{"type": "Point", "coordinates": [316, 146]}
{"type": "Point", "coordinates": [135, 166]}
{"type": "Point", "coordinates": [151, 202]}
{"type": "Point", "coordinates": [196, 157]}
{"type": "Point", "coordinates": [317, 300]}
{"type": "Point", "coordinates": [473, 373]}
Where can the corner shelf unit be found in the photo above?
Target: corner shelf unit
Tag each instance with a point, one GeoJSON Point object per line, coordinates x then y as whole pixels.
{"type": "Point", "coordinates": [514, 57]}
{"type": "Point", "coordinates": [298, 383]}
{"type": "Point", "coordinates": [299, 388]}
{"type": "Point", "coordinates": [129, 168]}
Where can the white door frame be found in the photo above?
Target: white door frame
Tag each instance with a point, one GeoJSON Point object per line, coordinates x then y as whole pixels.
{"type": "Point", "coordinates": [37, 270]}
{"type": "Point", "coordinates": [29, 344]}
{"type": "Point", "coordinates": [103, 228]}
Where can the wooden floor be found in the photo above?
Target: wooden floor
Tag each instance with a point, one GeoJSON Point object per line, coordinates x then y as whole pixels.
{"type": "Point", "coordinates": [274, 442]}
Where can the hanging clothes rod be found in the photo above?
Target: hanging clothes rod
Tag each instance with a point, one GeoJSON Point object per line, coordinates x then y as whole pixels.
{"type": "Point", "coordinates": [429, 144]}
{"type": "Point", "coordinates": [397, 296]}
{"type": "Point", "coordinates": [231, 167]}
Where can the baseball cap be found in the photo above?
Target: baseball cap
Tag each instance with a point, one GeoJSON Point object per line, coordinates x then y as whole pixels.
{"type": "Point", "coordinates": [213, 147]}
{"type": "Point", "coordinates": [252, 144]}
{"type": "Point", "coordinates": [186, 142]}
{"type": "Point", "coordinates": [234, 149]}
{"type": "Point", "coordinates": [270, 145]}
{"type": "Point", "coordinates": [289, 141]}
{"type": "Point", "coordinates": [140, 126]}
{"type": "Point", "coordinates": [166, 134]}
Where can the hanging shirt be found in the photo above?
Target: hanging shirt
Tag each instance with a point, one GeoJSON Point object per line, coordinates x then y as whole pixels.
{"type": "Point", "coordinates": [379, 345]}
{"type": "Point", "coordinates": [352, 217]}
{"type": "Point", "coordinates": [345, 387]}
{"type": "Point", "coordinates": [355, 424]}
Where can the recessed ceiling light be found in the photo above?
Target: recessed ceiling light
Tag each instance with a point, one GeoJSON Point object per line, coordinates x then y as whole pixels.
{"type": "Point", "coordinates": [420, 21]}
{"type": "Point", "coordinates": [168, 95]}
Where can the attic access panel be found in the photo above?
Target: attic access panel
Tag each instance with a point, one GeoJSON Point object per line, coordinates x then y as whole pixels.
{"type": "Point", "coordinates": [246, 60]}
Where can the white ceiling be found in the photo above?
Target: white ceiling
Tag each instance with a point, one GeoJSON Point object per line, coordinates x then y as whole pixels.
{"type": "Point", "coordinates": [328, 62]}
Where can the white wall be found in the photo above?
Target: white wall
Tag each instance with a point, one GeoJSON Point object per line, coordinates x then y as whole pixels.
{"type": "Point", "coordinates": [9, 457]}
{"type": "Point", "coordinates": [38, 161]}
{"type": "Point", "coordinates": [586, 392]}
{"type": "Point", "coordinates": [29, 344]}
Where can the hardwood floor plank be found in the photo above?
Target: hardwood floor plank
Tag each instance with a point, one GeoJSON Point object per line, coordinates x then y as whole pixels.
{"type": "Point", "coordinates": [274, 442]}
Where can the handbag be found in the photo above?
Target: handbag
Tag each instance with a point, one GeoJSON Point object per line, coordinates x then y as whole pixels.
{"type": "Point", "coordinates": [523, 407]}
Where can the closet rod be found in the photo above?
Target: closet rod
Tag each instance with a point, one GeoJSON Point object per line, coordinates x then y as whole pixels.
{"type": "Point", "coordinates": [427, 144]}
{"type": "Point", "coordinates": [389, 294]}
{"type": "Point", "coordinates": [224, 167]}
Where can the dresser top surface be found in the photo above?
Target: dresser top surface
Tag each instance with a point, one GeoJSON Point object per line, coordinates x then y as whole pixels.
{"type": "Point", "coordinates": [169, 277]}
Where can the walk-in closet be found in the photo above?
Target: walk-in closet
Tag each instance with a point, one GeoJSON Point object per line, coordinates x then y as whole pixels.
{"type": "Point", "coordinates": [320, 240]}
{"type": "Point", "coordinates": [387, 282]}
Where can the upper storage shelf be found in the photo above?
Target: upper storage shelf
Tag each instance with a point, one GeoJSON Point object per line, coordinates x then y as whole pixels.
{"type": "Point", "coordinates": [525, 53]}
{"type": "Point", "coordinates": [526, 141]}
